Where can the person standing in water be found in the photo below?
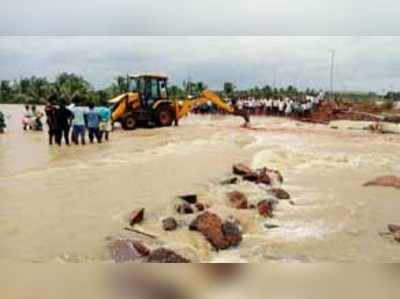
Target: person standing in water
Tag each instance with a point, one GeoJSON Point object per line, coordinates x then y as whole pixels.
{"type": "Point", "coordinates": [64, 118]}
{"type": "Point", "coordinates": [105, 122]}
{"type": "Point", "coordinates": [26, 120]}
{"type": "Point", "coordinates": [51, 119]}
{"type": "Point", "coordinates": [36, 122]}
{"type": "Point", "coordinates": [78, 123]}
{"type": "Point", "coordinates": [93, 121]}
{"type": "Point", "coordinates": [2, 123]}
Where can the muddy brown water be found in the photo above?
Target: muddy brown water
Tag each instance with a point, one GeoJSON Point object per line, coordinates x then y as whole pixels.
{"type": "Point", "coordinates": [59, 206]}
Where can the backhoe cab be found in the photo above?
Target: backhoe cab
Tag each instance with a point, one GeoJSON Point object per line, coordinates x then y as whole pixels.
{"type": "Point", "coordinates": [146, 103]}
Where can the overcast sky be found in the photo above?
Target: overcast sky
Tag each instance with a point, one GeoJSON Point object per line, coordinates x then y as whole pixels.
{"type": "Point", "coordinates": [362, 63]}
{"type": "Point", "coordinates": [204, 17]}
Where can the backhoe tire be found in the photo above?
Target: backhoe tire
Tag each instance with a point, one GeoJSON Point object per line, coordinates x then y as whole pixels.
{"type": "Point", "coordinates": [129, 123]}
{"type": "Point", "coordinates": [164, 116]}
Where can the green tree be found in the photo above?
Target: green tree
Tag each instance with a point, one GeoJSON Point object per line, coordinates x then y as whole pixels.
{"type": "Point", "coordinates": [6, 92]}
{"type": "Point", "coordinates": [229, 88]}
{"type": "Point", "coordinates": [175, 92]}
{"type": "Point", "coordinates": [70, 86]}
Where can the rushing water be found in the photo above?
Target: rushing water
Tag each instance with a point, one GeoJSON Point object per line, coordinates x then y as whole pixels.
{"type": "Point", "coordinates": [61, 204]}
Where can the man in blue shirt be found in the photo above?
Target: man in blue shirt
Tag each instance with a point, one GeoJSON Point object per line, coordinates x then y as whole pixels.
{"type": "Point", "coordinates": [105, 121]}
{"type": "Point", "coordinates": [93, 122]}
{"type": "Point", "coordinates": [78, 123]}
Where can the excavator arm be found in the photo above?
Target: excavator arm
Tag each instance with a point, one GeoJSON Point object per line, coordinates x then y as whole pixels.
{"type": "Point", "coordinates": [205, 97]}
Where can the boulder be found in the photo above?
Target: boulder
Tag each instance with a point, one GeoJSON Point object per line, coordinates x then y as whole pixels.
{"type": "Point", "coordinates": [169, 224]}
{"type": "Point", "coordinates": [264, 208]}
{"type": "Point", "coordinates": [232, 233]}
{"type": "Point", "coordinates": [230, 181]}
{"type": "Point", "coordinates": [280, 193]}
{"type": "Point", "coordinates": [220, 235]}
{"type": "Point", "coordinates": [127, 250]}
{"type": "Point", "coordinates": [237, 200]}
{"type": "Point", "coordinates": [200, 207]}
{"type": "Point", "coordinates": [162, 255]}
{"type": "Point", "coordinates": [136, 216]}
{"type": "Point", "coordinates": [189, 198]}
{"type": "Point", "coordinates": [251, 177]}
{"type": "Point", "coordinates": [240, 169]}
{"type": "Point", "coordinates": [385, 181]}
{"type": "Point", "coordinates": [393, 228]}
{"type": "Point", "coordinates": [184, 208]}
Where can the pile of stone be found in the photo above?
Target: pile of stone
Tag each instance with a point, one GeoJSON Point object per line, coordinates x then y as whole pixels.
{"type": "Point", "coordinates": [220, 233]}
{"type": "Point", "coordinates": [264, 176]}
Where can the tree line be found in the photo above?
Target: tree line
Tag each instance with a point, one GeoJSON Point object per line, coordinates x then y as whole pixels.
{"type": "Point", "coordinates": [67, 87]}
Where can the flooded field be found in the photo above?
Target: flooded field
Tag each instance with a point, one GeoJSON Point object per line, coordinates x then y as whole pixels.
{"type": "Point", "coordinates": [59, 206]}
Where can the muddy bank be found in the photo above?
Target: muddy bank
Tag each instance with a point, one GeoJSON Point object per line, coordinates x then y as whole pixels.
{"type": "Point", "coordinates": [330, 111]}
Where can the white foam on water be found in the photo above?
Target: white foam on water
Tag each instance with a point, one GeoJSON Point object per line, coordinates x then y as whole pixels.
{"type": "Point", "coordinates": [300, 231]}
{"type": "Point", "coordinates": [228, 256]}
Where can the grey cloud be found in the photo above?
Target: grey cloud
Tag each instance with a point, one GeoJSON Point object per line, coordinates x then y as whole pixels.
{"type": "Point", "coordinates": [193, 17]}
{"type": "Point", "coordinates": [362, 63]}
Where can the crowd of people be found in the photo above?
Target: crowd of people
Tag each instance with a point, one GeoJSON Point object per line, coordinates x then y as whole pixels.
{"type": "Point", "coordinates": [281, 106]}
{"type": "Point", "coordinates": [73, 122]}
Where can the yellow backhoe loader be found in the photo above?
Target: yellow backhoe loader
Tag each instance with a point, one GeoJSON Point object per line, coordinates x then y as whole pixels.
{"type": "Point", "coordinates": [147, 103]}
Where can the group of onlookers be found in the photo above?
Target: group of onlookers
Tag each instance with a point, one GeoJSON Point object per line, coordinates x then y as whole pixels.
{"type": "Point", "coordinates": [281, 106]}
{"type": "Point", "coordinates": [96, 121]}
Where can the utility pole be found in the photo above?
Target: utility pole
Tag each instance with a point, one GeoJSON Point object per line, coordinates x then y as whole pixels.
{"type": "Point", "coordinates": [332, 72]}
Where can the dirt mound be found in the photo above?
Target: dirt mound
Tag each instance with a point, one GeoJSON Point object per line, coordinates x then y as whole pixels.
{"type": "Point", "coordinates": [331, 110]}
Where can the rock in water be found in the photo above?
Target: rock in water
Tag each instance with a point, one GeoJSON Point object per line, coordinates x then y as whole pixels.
{"type": "Point", "coordinates": [393, 228]}
{"type": "Point", "coordinates": [221, 236]}
{"type": "Point", "coordinates": [280, 193]}
{"type": "Point", "coordinates": [136, 217]}
{"type": "Point", "coordinates": [230, 181]}
{"type": "Point", "coordinates": [189, 198]}
{"type": "Point", "coordinates": [237, 200]}
{"type": "Point", "coordinates": [162, 255]}
{"type": "Point", "coordinates": [169, 224]}
{"type": "Point", "coordinates": [184, 208]}
{"type": "Point", "coordinates": [232, 233]}
{"type": "Point", "coordinates": [200, 207]}
{"type": "Point", "coordinates": [251, 177]}
{"type": "Point", "coordinates": [240, 169]}
{"type": "Point", "coordinates": [264, 208]}
{"type": "Point", "coordinates": [127, 250]}
{"type": "Point", "coordinates": [385, 181]}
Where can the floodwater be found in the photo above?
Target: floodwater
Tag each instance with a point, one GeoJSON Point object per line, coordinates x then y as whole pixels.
{"type": "Point", "coordinates": [60, 205]}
